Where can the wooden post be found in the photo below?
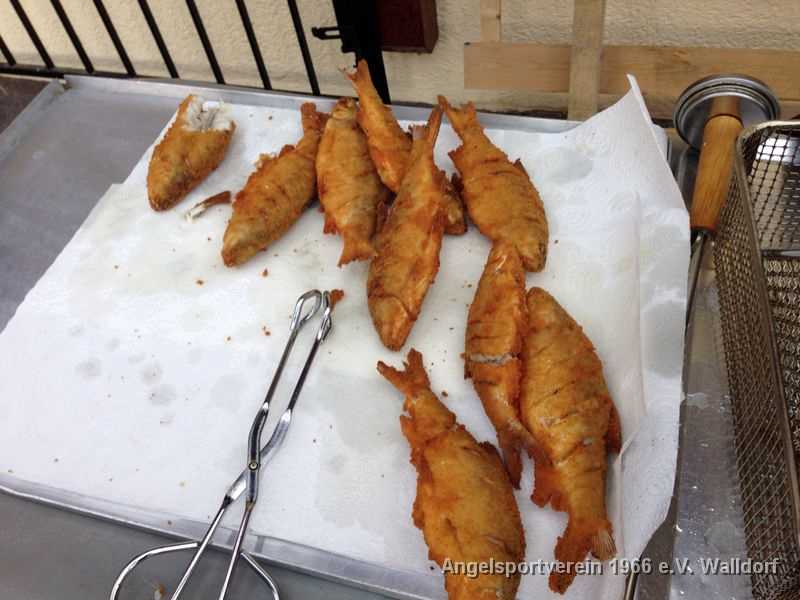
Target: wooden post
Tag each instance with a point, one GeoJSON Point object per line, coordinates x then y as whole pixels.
{"type": "Point", "coordinates": [587, 48]}
{"type": "Point", "coordinates": [491, 23]}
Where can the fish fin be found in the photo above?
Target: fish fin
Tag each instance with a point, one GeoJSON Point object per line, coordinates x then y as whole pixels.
{"type": "Point", "coordinates": [603, 547]}
{"type": "Point", "coordinates": [329, 226]}
{"type": "Point", "coordinates": [614, 431]}
{"type": "Point", "coordinates": [509, 444]}
{"type": "Point", "coordinates": [545, 485]}
{"type": "Point", "coordinates": [382, 212]}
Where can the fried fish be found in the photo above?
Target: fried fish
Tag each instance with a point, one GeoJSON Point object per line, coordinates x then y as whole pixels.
{"type": "Point", "coordinates": [465, 504]}
{"type": "Point", "coordinates": [496, 324]}
{"type": "Point", "coordinates": [348, 185]}
{"type": "Point", "coordinates": [192, 148]}
{"type": "Point", "coordinates": [275, 194]}
{"type": "Point", "coordinates": [565, 404]}
{"type": "Point", "coordinates": [390, 147]}
{"type": "Point", "coordinates": [408, 245]}
{"type": "Point", "coordinates": [500, 197]}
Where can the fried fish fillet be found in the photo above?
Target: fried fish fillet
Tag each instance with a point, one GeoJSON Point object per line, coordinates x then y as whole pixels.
{"type": "Point", "coordinates": [348, 185]}
{"type": "Point", "coordinates": [407, 258]}
{"type": "Point", "coordinates": [275, 194]}
{"type": "Point", "coordinates": [193, 146]}
{"type": "Point", "coordinates": [496, 324]}
{"type": "Point", "coordinates": [465, 504]}
{"type": "Point", "coordinates": [390, 146]}
{"type": "Point", "coordinates": [500, 197]}
{"type": "Point", "coordinates": [566, 406]}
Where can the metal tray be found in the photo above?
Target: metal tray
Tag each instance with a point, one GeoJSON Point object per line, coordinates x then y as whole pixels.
{"type": "Point", "coordinates": [88, 134]}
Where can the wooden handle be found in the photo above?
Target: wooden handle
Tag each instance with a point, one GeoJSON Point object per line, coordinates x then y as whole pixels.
{"type": "Point", "coordinates": [715, 165]}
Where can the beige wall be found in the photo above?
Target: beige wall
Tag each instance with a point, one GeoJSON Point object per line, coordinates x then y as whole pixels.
{"type": "Point", "coordinates": [732, 23]}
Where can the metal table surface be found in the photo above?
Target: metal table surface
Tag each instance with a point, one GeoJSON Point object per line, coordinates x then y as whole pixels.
{"type": "Point", "coordinates": [57, 159]}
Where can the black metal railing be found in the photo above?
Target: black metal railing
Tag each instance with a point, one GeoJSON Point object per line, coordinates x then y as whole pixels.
{"type": "Point", "coordinates": [355, 20]}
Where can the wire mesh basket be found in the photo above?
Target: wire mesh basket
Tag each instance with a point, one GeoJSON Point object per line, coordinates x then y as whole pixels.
{"type": "Point", "coordinates": [757, 260]}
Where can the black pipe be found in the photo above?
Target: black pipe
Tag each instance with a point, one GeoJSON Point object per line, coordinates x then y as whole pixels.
{"type": "Point", "coordinates": [26, 23]}
{"type": "Point", "coordinates": [112, 33]}
{"type": "Point", "coordinates": [7, 53]}
{"type": "Point", "coordinates": [209, 50]}
{"type": "Point", "coordinates": [73, 37]}
{"type": "Point", "coordinates": [159, 40]}
{"type": "Point", "coordinates": [301, 39]}
{"type": "Point", "coordinates": [251, 38]}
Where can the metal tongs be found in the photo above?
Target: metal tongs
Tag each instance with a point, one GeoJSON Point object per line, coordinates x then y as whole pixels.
{"type": "Point", "coordinates": [257, 457]}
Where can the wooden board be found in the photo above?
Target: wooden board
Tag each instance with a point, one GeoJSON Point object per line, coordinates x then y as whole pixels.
{"type": "Point", "coordinates": [587, 50]}
{"type": "Point", "coordinates": [663, 72]}
{"type": "Point", "coordinates": [491, 23]}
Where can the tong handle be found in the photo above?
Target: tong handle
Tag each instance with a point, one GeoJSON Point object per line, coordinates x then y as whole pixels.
{"type": "Point", "coordinates": [715, 167]}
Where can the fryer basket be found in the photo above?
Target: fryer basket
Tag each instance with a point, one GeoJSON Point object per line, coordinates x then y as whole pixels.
{"type": "Point", "coordinates": [757, 262]}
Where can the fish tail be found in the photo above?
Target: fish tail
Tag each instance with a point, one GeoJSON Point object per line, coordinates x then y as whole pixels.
{"type": "Point", "coordinates": [412, 378]}
{"type": "Point", "coordinates": [312, 119]}
{"type": "Point", "coordinates": [460, 118]}
{"type": "Point", "coordinates": [356, 249]}
{"type": "Point", "coordinates": [578, 540]}
{"type": "Point", "coordinates": [360, 78]}
{"type": "Point", "coordinates": [433, 125]}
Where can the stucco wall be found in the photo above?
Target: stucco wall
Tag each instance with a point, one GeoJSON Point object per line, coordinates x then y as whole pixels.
{"type": "Point", "coordinates": [732, 23]}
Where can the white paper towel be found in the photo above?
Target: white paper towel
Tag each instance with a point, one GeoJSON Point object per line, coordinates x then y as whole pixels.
{"type": "Point", "coordinates": [132, 370]}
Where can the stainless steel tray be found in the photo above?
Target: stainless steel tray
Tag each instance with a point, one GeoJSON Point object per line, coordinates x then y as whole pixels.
{"type": "Point", "coordinates": [73, 141]}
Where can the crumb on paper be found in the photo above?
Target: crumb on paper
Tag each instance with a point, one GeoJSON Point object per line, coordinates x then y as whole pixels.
{"type": "Point", "coordinates": [336, 296]}
{"type": "Point", "coordinates": [55, 459]}
{"type": "Point", "coordinates": [182, 484]}
{"type": "Point", "coordinates": [445, 394]}
{"type": "Point", "coordinates": [269, 118]}
{"type": "Point", "coordinates": [199, 282]}
{"type": "Point", "coordinates": [555, 241]}
{"type": "Point", "coordinates": [228, 339]}
{"type": "Point", "coordinates": [265, 331]}
{"type": "Point", "coordinates": [116, 266]}
{"type": "Point", "coordinates": [208, 238]}
{"type": "Point", "coordinates": [169, 522]}
{"type": "Point", "coordinates": [265, 272]}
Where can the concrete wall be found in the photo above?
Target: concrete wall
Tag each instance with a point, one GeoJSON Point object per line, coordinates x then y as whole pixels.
{"type": "Point", "coordinates": [731, 23]}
